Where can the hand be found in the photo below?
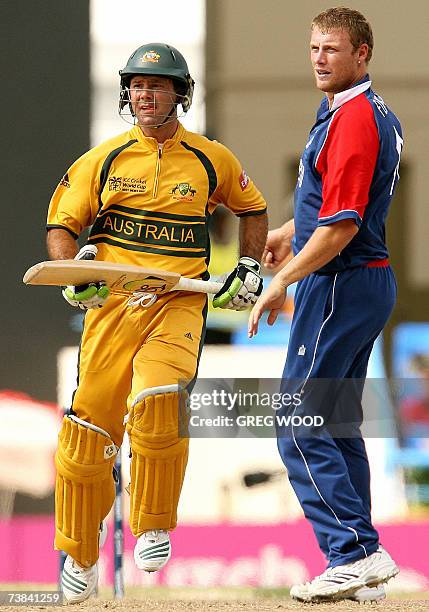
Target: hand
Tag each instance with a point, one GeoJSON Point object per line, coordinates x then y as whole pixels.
{"type": "Point", "coordinates": [242, 287]}
{"type": "Point", "coordinates": [277, 247]}
{"type": "Point", "coordinates": [91, 295]}
{"type": "Point", "coordinates": [272, 299]}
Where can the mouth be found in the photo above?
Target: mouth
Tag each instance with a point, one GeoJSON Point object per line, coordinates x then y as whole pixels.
{"type": "Point", "coordinates": [147, 109]}
{"type": "Point", "coordinates": [322, 73]}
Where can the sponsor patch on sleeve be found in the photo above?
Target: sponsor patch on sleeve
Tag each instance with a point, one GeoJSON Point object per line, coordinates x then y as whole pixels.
{"type": "Point", "coordinates": [244, 180]}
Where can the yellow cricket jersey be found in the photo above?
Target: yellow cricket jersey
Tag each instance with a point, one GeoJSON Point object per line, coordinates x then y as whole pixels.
{"type": "Point", "coordinates": [149, 204]}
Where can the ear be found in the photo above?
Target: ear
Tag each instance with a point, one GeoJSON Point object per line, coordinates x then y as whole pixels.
{"type": "Point", "coordinates": [363, 52]}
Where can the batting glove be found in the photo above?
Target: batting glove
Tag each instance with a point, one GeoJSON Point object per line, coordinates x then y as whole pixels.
{"type": "Point", "coordinates": [91, 295]}
{"type": "Point", "coordinates": [242, 287]}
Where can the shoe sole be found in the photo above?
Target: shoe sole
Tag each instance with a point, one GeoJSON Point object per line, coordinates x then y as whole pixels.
{"type": "Point", "coordinates": [371, 598]}
{"type": "Point", "coordinates": [365, 602]}
{"type": "Point", "coordinates": [304, 599]}
{"type": "Point", "coordinates": [345, 593]}
{"type": "Point", "coordinates": [154, 568]}
{"type": "Point", "coordinates": [368, 602]}
{"type": "Point", "coordinates": [74, 600]}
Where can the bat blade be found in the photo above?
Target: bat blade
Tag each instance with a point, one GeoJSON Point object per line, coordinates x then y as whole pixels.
{"type": "Point", "coordinates": [119, 277]}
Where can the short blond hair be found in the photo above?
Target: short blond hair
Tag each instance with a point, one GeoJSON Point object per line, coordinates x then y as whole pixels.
{"type": "Point", "coordinates": [343, 18]}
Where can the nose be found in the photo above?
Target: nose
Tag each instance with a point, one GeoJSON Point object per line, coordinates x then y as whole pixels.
{"type": "Point", "coordinates": [145, 94]}
{"type": "Point", "coordinates": [319, 57]}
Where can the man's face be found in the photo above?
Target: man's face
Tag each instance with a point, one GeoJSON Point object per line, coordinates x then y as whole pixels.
{"type": "Point", "coordinates": [335, 62]}
{"type": "Point", "coordinates": [152, 98]}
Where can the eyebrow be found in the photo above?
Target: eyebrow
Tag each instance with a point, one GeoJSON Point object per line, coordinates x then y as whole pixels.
{"type": "Point", "coordinates": [325, 43]}
{"type": "Point", "coordinates": [138, 79]}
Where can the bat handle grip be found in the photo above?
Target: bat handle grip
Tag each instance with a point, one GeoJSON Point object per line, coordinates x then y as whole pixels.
{"type": "Point", "coordinates": [199, 286]}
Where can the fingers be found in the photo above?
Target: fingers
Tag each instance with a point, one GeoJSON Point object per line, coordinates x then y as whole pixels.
{"type": "Point", "coordinates": [272, 317]}
{"type": "Point", "coordinates": [266, 256]}
{"type": "Point", "coordinates": [271, 300]}
{"type": "Point", "coordinates": [268, 259]}
{"type": "Point", "coordinates": [255, 315]}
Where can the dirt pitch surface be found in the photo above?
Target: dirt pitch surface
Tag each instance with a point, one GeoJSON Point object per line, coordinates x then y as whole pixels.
{"type": "Point", "coordinates": [254, 605]}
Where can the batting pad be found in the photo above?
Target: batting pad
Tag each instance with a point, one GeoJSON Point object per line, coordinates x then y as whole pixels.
{"type": "Point", "coordinates": [159, 458]}
{"type": "Point", "coordinates": [85, 490]}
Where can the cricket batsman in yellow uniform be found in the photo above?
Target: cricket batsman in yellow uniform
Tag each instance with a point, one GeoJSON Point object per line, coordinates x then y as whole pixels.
{"type": "Point", "coordinates": [147, 196]}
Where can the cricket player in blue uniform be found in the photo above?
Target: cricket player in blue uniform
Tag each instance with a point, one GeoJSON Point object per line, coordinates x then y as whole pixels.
{"type": "Point", "coordinates": [335, 248]}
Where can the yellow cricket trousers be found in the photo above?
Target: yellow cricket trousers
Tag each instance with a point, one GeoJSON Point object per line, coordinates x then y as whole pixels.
{"type": "Point", "coordinates": [125, 350]}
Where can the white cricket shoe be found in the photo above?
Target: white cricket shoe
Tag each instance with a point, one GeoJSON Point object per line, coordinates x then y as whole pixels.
{"type": "Point", "coordinates": [152, 550]}
{"type": "Point", "coordinates": [344, 581]}
{"type": "Point", "coordinates": [78, 583]}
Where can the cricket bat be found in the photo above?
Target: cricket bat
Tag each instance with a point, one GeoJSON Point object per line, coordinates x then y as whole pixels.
{"type": "Point", "coordinates": [118, 277]}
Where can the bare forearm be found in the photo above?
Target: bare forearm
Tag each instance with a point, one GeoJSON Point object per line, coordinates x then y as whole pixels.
{"type": "Point", "coordinates": [253, 234]}
{"type": "Point", "coordinates": [288, 229]}
{"type": "Point", "coordinates": [278, 248]}
{"type": "Point", "coordinates": [60, 244]}
{"type": "Point", "coordinates": [324, 245]}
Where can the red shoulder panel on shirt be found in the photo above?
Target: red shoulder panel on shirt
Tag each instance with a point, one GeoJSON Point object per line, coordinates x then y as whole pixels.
{"type": "Point", "coordinates": [347, 160]}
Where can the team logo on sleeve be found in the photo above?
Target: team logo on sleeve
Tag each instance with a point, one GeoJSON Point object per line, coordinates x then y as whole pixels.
{"type": "Point", "coordinates": [151, 56]}
{"type": "Point", "coordinates": [381, 105]}
{"type": "Point", "coordinates": [65, 181]}
{"type": "Point", "coordinates": [244, 180]}
{"type": "Point", "coordinates": [183, 191]}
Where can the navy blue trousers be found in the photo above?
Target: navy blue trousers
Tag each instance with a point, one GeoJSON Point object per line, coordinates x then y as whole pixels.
{"type": "Point", "coordinates": [336, 321]}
